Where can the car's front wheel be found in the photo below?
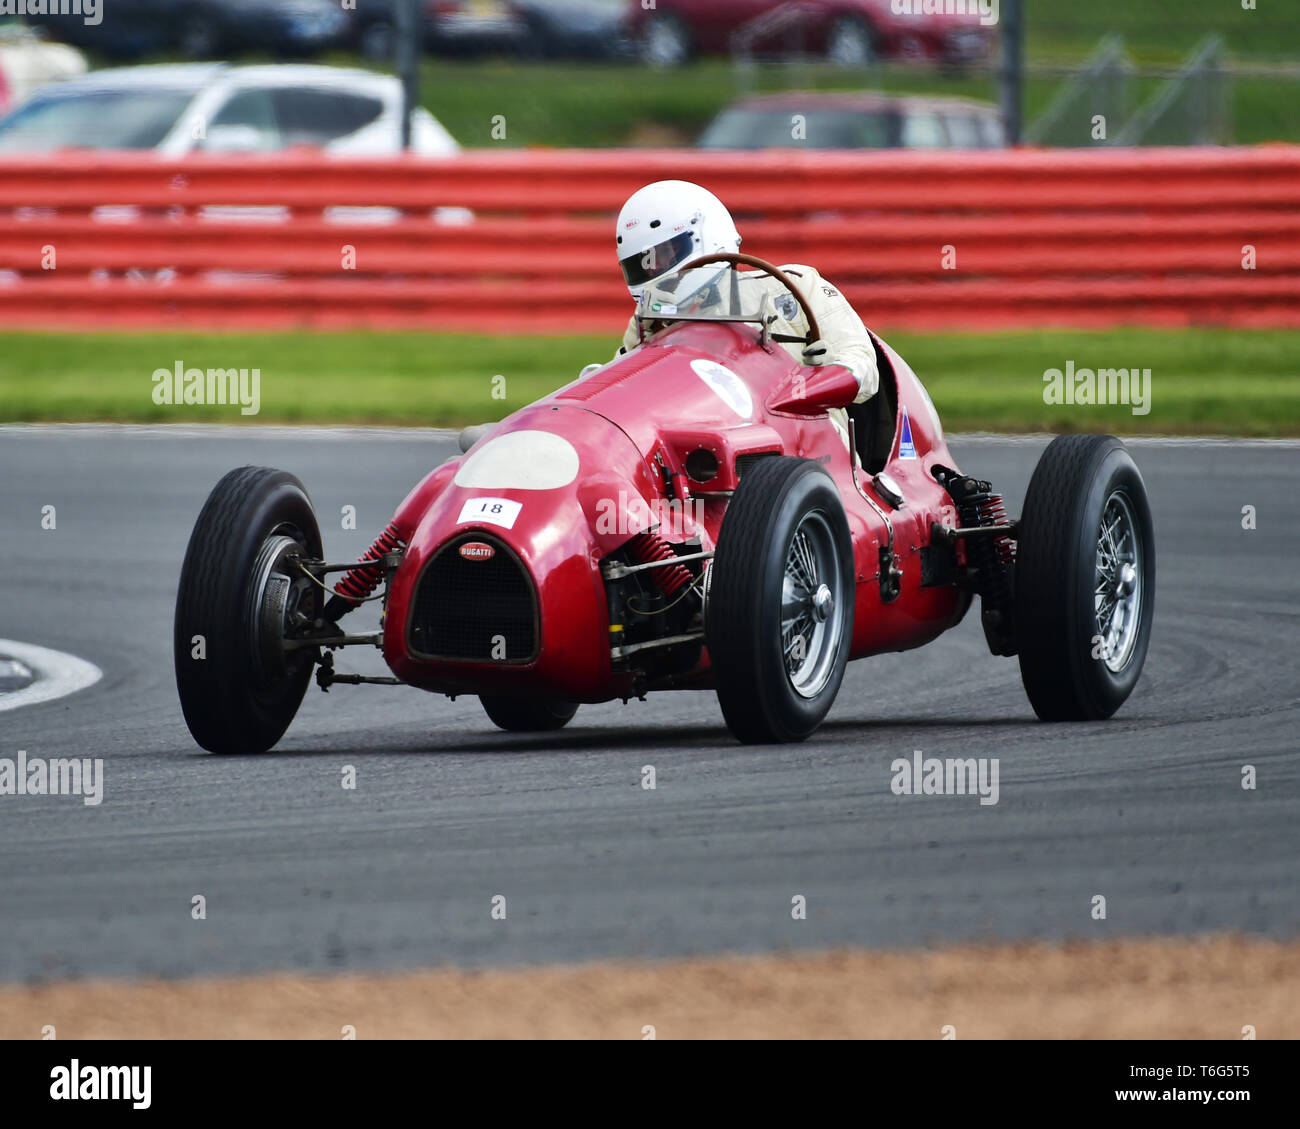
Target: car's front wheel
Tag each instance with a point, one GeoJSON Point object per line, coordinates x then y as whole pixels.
{"type": "Point", "coordinates": [528, 715]}
{"type": "Point", "coordinates": [778, 618]}
{"type": "Point", "coordinates": [240, 594]}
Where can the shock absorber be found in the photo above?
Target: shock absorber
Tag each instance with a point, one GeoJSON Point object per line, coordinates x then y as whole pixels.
{"type": "Point", "coordinates": [990, 510]}
{"type": "Point", "coordinates": [993, 511]}
{"type": "Point", "coordinates": [989, 556]}
{"type": "Point", "coordinates": [361, 582]}
{"type": "Point", "coordinates": [649, 547]}
{"type": "Point", "coordinates": [992, 559]}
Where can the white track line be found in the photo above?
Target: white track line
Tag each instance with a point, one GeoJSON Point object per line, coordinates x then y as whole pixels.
{"type": "Point", "coordinates": [57, 674]}
{"type": "Point", "coordinates": [12, 668]}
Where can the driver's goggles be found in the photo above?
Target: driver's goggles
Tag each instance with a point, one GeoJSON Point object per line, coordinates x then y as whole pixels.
{"type": "Point", "coordinates": [640, 268]}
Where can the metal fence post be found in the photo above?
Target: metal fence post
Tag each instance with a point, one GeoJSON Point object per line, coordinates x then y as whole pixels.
{"type": "Point", "coordinates": [1011, 80]}
{"type": "Point", "coordinates": [409, 37]}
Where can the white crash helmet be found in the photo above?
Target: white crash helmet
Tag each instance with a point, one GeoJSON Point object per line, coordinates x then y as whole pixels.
{"type": "Point", "coordinates": [670, 223]}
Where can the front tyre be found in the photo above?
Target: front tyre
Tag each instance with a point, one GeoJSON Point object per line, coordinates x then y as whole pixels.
{"type": "Point", "coordinates": [528, 715]}
{"type": "Point", "coordinates": [779, 613]}
{"type": "Point", "coordinates": [240, 591]}
{"type": "Point", "coordinates": [1085, 579]}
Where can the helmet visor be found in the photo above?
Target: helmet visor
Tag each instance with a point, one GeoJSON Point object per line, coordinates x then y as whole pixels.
{"type": "Point", "coordinates": [640, 268]}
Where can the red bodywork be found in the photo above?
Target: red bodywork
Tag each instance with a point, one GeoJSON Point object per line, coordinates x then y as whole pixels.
{"type": "Point", "coordinates": [631, 425]}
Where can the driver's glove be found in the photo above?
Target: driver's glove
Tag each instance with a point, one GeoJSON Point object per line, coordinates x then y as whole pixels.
{"type": "Point", "coordinates": [818, 353]}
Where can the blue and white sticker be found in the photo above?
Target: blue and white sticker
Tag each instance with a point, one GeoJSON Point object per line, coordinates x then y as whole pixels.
{"type": "Point", "coordinates": [906, 448]}
{"type": "Point", "coordinates": [493, 511]}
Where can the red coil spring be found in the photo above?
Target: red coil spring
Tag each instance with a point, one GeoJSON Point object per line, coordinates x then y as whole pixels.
{"type": "Point", "coordinates": [670, 579]}
{"type": "Point", "coordinates": [993, 512]}
{"type": "Point", "coordinates": [365, 578]}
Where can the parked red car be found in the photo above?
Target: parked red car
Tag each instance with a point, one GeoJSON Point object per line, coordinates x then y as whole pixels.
{"type": "Point", "coordinates": [865, 120]}
{"type": "Point", "coordinates": [848, 32]}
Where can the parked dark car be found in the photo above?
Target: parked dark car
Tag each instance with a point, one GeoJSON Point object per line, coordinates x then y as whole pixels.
{"type": "Point", "coordinates": [576, 28]}
{"type": "Point", "coordinates": [203, 29]}
{"type": "Point", "coordinates": [854, 121]}
{"type": "Point", "coordinates": [528, 28]}
{"type": "Point", "coordinates": [847, 32]}
{"type": "Point", "coordinates": [446, 26]}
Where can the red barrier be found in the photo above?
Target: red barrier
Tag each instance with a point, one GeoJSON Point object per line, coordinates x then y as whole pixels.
{"type": "Point", "coordinates": [917, 240]}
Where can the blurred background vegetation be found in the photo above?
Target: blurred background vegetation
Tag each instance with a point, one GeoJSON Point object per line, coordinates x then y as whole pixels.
{"type": "Point", "coordinates": [616, 103]}
{"type": "Point", "coordinates": [606, 104]}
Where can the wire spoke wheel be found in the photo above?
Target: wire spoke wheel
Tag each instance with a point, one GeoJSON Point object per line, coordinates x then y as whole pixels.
{"type": "Point", "coordinates": [1118, 590]}
{"type": "Point", "coordinates": [779, 616]}
{"type": "Point", "coordinates": [1085, 579]}
{"type": "Point", "coordinates": [812, 606]}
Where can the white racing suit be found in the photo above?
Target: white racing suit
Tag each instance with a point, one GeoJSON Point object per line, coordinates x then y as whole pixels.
{"type": "Point", "coordinates": [842, 331]}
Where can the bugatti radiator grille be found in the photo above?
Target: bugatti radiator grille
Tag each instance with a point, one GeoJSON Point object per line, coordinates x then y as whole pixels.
{"type": "Point", "coordinates": [474, 606]}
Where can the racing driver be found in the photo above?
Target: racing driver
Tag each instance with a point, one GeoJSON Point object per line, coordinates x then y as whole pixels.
{"type": "Point", "coordinates": [673, 222]}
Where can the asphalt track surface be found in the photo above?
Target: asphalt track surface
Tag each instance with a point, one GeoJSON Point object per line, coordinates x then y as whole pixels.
{"type": "Point", "coordinates": [1146, 809]}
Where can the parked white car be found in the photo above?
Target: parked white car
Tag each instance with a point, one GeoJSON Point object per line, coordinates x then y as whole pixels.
{"type": "Point", "coordinates": [28, 62]}
{"type": "Point", "coordinates": [177, 109]}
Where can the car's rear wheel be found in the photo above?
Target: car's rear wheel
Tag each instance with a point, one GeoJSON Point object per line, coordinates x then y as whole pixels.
{"type": "Point", "coordinates": [239, 592]}
{"type": "Point", "coordinates": [1085, 579]}
{"type": "Point", "coordinates": [851, 43]}
{"type": "Point", "coordinates": [528, 715]}
{"type": "Point", "coordinates": [779, 612]}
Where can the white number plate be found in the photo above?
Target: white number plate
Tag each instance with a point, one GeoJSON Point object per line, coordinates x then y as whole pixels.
{"type": "Point", "coordinates": [495, 511]}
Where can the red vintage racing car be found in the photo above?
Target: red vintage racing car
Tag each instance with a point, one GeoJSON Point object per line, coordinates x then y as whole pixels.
{"type": "Point", "coordinates": [685, 517]}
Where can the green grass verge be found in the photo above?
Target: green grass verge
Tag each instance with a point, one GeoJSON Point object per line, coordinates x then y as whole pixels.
{"type": "Point", "coordinates": [1160, 31]}
{"type": "Point", "coordinates": [1204, 381]}
{"type": "Point", "coordinates": [599, 106]}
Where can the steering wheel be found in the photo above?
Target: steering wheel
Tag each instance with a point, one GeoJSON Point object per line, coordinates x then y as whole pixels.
{"type": "Point", "coordinates": [737, 260]}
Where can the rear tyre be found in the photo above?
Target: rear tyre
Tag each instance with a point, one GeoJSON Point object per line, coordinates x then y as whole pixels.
{"type": "Point", "coordinates": [779, 614]}
{"type": "Point", "coordinates": [1085, 579]}
{"type": "Point", "coordinates": [528, 715]}
{"type": "Point", "coordinates": [239, 687]}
